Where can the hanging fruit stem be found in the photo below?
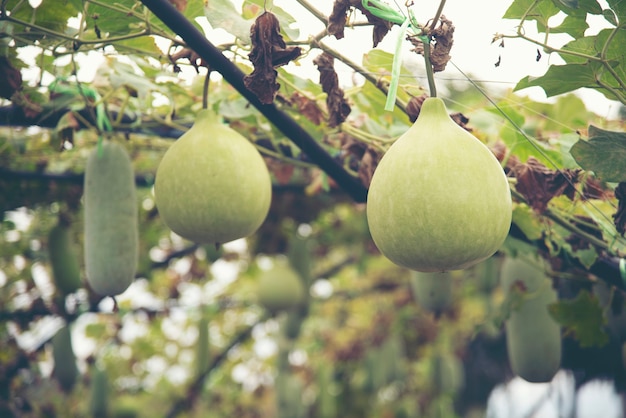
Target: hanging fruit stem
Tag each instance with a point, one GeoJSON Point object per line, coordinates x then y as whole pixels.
{"type": "Point", "coordinates": [430, 75]}
{"type": "Point", "coordinates": [205, 90]}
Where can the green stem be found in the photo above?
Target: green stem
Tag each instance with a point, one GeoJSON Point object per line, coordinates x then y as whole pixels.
{"type": "Point", "coordinates": [442, 3]}
{"type": "Point", "coordinates": [311, 9]}
{"type": "Point", "coordinates": [429, 68]}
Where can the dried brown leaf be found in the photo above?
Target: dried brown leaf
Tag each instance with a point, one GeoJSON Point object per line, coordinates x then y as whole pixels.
{"type": "Point", "coordinates": [268, 52]}
{"type": "Point", "coordinates": [619, 218]}
{"type": "Point", "coordinates": [367, 156]}
{"type": "Point", "coordinates": [443, 37]}
{"type": "Point", "coordinates": [307, 107]}
{"type": "Point", "coordinates": [338, 107]}
{"type": "Point", "coordinates": [339, 15]}
{"type": "Point", "coordinates": [539, 184]}
{"type": "Point", "coordinates": [180, 5]}
{"type": "Point", "coordinates": [11, 78]}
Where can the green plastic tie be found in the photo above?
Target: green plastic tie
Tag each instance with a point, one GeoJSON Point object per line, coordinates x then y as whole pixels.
{"type": "Point", "coordinates": [395, 69]}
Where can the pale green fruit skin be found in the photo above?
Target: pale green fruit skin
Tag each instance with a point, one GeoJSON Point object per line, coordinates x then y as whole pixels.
{"type": "Point", "coordinates": [63, 259]}
{"type": "Point", "coordinates": [99, 402]}
{"type": "Point", "coordinates": [433, 290]}
{"type": "Point", "coordinates": [65, 370]}
{"type": "Point", "coordinates": [111, 220]}
{"type": "Point", "coordinates": [533, 338]}
{"type": "Point", "coordinates": [280, 288]}
{"type": "Point", "coordinates": [448, 374]}
{"type": "Point", "coordinates": [212, 185]}
{"type": "Point", "coordinates": [439, 199]}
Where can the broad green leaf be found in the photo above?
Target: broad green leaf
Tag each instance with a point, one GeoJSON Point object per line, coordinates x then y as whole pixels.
{"type": "Point", "coordinates": [604, 154]}
{"type": "Point", "coordinates": [572, 25]}
{"type": "Point", "coordinates": [144, 45]}
{"type": "Point", "coordinates": [540, 11]}
{"type": "Point", "coordinates": [561, 79]}
{"type": "Point", "coordinates": [610, 17]}
{"type": "Point", "coordinates": [579, 7]}
{"type": "Point", "coordinates": [528, 222]}
{"type": "Point", "coordinates": [590, 6]}
{"type": "Point", "coordinates": [569, 3]}
{"type": "Point", "coordinates": [582, 317]}
{"type": "Point", "coordinates": [586, 46]}
{"type": "Point", "coordinates": [222, 14]}
{"type": "Point", "coordinates": [619, 7]}
{"type": "Point", "coordinates": [111, 21]}
{"type": "Point", "coordinates": [50, 14]}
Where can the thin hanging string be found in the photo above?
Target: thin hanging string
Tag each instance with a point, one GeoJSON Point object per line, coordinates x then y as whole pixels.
{"type": "Point", "coordinates": [529, 139]}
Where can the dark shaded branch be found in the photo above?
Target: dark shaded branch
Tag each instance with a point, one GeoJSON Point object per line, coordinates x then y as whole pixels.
{"type": "Point", "coordinates": [195, 389]}
{"type": "Point", "coordinates": [233, 75]}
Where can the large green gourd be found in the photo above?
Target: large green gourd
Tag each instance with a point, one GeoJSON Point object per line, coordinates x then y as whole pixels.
{"type": "Point", "coordinates": [212, 185]}
{"type": "Point", "coordinates": [65, 370]}
{"type": "Point", "coordinates": [439, 199]}
{"type": "Point", "coordinates": [111, 235]}
{"type": "Point", "coordinates": [533, 338]}
{"type": "Point", "coordinates": [63, 259]}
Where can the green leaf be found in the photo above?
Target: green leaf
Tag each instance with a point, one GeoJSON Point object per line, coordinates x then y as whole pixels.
{"type": "Point", "coordinates": [528, 222]}
{"type": "Point", "coordinates": [590, 6]}
{"type": "Point", "coordinates": [604, 154]}
{"type": "Point", "coordinates": [610, 17]}
{"type": "Point", "coordinates": [561, 79]}
{"type": "Point", "coordinates": [583, 318]}
{"type": "Point", "coordinates": [574, 26]}
{"type": "Point", "coordinates": [619, 7]}
{"type": "Point", "coordinates": [540, 11]}
{"type": "Point", "coordinates": [144, 45]}
{"type": "Point", "coordinates": [579, 7]}
{"type": "Point", "coordinates": [222, 14]}
{"type": "Point", "coordinates": [50, 14]}
{"type": "Point", "coordinates": [573, 4]}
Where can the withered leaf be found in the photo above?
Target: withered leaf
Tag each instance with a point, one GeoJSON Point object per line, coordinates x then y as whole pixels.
{"type": "Point", "coordinates": [307, 107]}
{"type": "Point", "coordinates": [337, 18]}
{"type": "Point", "coordinates": [414, 106]}
{"type": "Point", "coordinates": [338, 107]}
{"type": "Point", "coordinates": [11, 78]}
{"type": "Point", "coordinates": [619, 218]}
{"type": "Point", "coordinates": [443, 37]}
{"type": "Point", "coordinates": [539, 184]}
{"type": "Point", "coordinates": [367, 155]}
{"type": "Point", "coordinates": [268, 52]}
{"type": "Point", "coordinates": [180, 5]}
{"type": "Point", "coordinates": [339, 15]}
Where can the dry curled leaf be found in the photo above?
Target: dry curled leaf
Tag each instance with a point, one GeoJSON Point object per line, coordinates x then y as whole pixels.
{"type": "Point", "coordinates": [443, 37]}
{"type": "Point", "coordinates": [338, 107]}
{"type": "Point", "coordinates": [307, 107]}
{"type": "Point", "coordinates": [268, 52]}
{"type": "Point", "coordinates": [539, 184]}
{"type": "Point", "coordinates": [367, 156]}
{"type": "Point", "coordinates": [619, 218]}
{"type": "Point", "coordinates": [11, 78]}
{"type": "Point", "coordinates": [339, 15]}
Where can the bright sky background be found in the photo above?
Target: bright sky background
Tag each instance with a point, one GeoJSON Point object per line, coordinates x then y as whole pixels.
{"type": "Point", "coordinates": [475, 23]}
